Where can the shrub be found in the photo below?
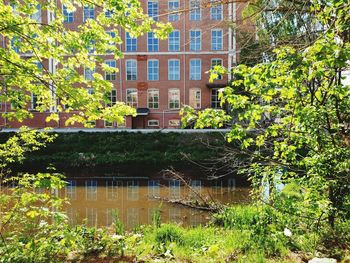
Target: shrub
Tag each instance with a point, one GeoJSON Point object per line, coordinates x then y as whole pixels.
{"type": "Point", "coordinates": [169, 233]}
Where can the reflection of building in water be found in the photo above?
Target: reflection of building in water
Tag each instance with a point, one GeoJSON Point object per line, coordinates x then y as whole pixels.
{"type": "Point", "coordinates": [153, 188]}
{"type": "Point", "coordinates": [111, 214]}
{"type": "Point", "coordinates": [217, 187]}
{"type": "Point", "coordinates": [175, 215]}
{"type": "Point", "coordinates": [231, 183]}
{"type": "Point", "coordinates": [195, 219]}
{"type": "Point", "coordinates": [132, 217]}
{"type": "Point", "coordinates": [133, 190]}
{"type": "Point", "coordinates": [91, 216]}
{"type": "Point", "coordinates": [72, 215]}
{"type": "Point", "coordinates": [174, 189]}
{"type": "Point", "coordinates": [196, 185]}
{"type": "Point", "coordinates": [112, 189]}
{"type": "Point", "coordinates": [94, 200]}
{"type": "Point", "coordinates": [71, 189]}
{"type": "Point", "coordinates": [91, 190]}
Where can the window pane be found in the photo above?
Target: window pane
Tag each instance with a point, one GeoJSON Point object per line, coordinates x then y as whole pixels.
{"type": "Point", "coordinates": [195, 69]}
{"type": "Point", "coordinates": [174, 41]}
{"type": "Point", "coordinates": [131, 70]}
{"type": "Point", "coordinates": [195, 10]}
{"type": "Point", "coordinates": [153, 70]}
{"type": "Point", "coordinates": [152, 42]}
{"type": "Point", "coordinates": [173, 6]}
{"type": "Point", "coordinates": [152, 9]}
{"type": "Point", "coordinates": [195, 40]}
{"type": "Point", "coordinates": [173, 69]}
{"type": "Point", "coordinates": [216, 39]}
{"type": "Point", "coordinates": [131, 43]}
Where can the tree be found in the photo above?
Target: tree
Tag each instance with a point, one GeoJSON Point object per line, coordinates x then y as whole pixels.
{"type": "Point", "coordinates": [292, 118]}
{"type": "Point", "coordinates": [50, 42]}
{"type": "Point", "coordinates": [275, 23]}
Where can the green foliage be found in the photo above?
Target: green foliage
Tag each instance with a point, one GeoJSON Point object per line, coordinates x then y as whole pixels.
{"type": "Point", "coordinates": [76, 149]}
{"type": "Point", "coordinates": [169, 233]}
{"type": "Point", "coordinates": [291, 119]}
{"type": "Point", "coordinates": [118, 224]}
{"type": "Point", "coordinates": [72, 50]}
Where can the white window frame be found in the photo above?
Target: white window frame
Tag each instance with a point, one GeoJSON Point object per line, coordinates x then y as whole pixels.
{"type": "Point", "coordinates": [195, 42]}
{"type": "Point", "coordinates": [194, 74]}
{"type": "Point", "coordinates": [212, 66]}
{"type": "Point", "coordinates": [133, 69]}
{"type": "Point", "coordinates": [86, 71]}
{"type": "Point", "coordinates": [112, 75]}
{"type": "Point", "coordinates": [217, 101]}
{"type": "Point", "coordinates": [68, 17]}
{"type": "Point", "coordinates": [214, 14]}
{"type": "Point", "coordinates": [153, 70]}
{"type": "Point", "coordinates": [195, 102]}
{"type": "Point", "coordinates": [112, 98]}
{"type": "Point", "coordinates": [172, 101]}
{"type": "Point", "coordinates": [174, 74]}
{"type": "Point", "coordinates": [216, 45]}
{"type": "Point", "coordinates": [33, 98]}
{"type": "Point", "coordinates": [154, 46]}
{"type": "Point", "coordinates": [154, 14]}
{"type": "Point", "coordinates": [155, 124]}
{"type": "Point", "coordinates": [132, 103]}
{"type": "Point", "coordinates": [151, 95]}
{"type": "Point", "coordinates": [174, 123]}
{"type": "Point", "coordinates": [174, 14]}
{"type": "Point", "coordinates": [195, 12]}
{"type": "Point", "coordinates": [174, 42]}
{"type": "Point", "coordinates": [132, 46]}
{"type": "Point", "coordinates": [88, 10]}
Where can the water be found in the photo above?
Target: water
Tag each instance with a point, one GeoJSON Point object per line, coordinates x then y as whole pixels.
{"type": "Point", "coordinates": [94, 201]}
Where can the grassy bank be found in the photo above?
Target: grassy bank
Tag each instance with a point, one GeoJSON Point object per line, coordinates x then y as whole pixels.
{"type": "Point", "coordinates": [94, 149]}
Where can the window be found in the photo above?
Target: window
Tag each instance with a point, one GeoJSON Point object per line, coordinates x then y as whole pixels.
{"type": "Point", "coordinates": [111, 75]}
{"type": "Point", "coordinates": [15, 44]}
{"type": "Point", "coordinates": [173, 6]}
{"type": "Point", "coordinates": [88, 13]}
{"type": "Point", "coordinates": [153, 188]}
{"type": "Point", "coordinates": [34, 100]}
{"type": "Point", "coordinates": [174, 41]}
{"type": "Point", "coordinates": [71, 190]}
{"type": "Point", "coordinates": [152, 9]}
{"type": "Point", "coordinates": [215, 102]}
{"type": "Point", "coordinates": [39, 66]}
{"type": "Point", "coordinates": [152, 42]}
{"type": "Point", "coordinates": [195, 69]}
{"type": "Point", "coordinates": [216, 39]}
{"type": "Point", "coordinates": [131, 97]}
{"type": "Point", "coordinates": [195, 10]}
{"type": "Point", "coordinates": [153, 98]}
{"type": "Point", "coordinates": [88, 74]}
{"type": "Point", "coordinates": [174, 123]}
{"type": "Point", "coordinates": [68, 15]}
{"type": "Point", "coordinates": [152, 69]}
{"type": "Point", "coordinates": [37, 15]}
{"type": "Point", "coordinates": [132, 190]}
{"type": "Point", "coordinates": [173, 69]}
{"type": "Point", "coordinates": [174, 98]}
{"type": "Point", "coordinates": [131, 43]}
{"type": "Point", "coordinates": [131, 69]}
{"type": "Point", "coordinates": [112, 98]}
{"type": "Point", "coordinates": [153, 123]}
{"type": "Point", "coordinates": [195, 40]}
{"type": "Point", "coordinates": [91, 189]}
{"type": "Point", "coordinates": [195, 98]}
{"type": "Point", "coordinates": [108, 13]}
{"type": "Point", "coordinates": [216, 62]}
{"type": "Point", "coordinates": [216, 10]}
{"type": "Point", "coordinates": [111, 42]}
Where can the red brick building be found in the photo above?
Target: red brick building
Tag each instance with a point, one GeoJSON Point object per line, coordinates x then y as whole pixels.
{"type": "Point", "coordinates": [156, 76]}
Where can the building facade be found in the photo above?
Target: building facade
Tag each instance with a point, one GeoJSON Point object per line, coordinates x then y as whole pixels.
{"type": "Point", "coordinates": [158, 77]}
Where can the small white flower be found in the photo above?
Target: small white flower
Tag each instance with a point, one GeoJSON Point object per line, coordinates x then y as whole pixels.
{"type": "Point", "coordinates": [287, 232]}
{"type": "Point", "coordinates": [117, 236]}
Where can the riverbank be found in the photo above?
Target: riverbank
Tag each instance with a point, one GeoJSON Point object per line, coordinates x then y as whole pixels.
{"type": "Point", "coordinates": [101, 149]}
